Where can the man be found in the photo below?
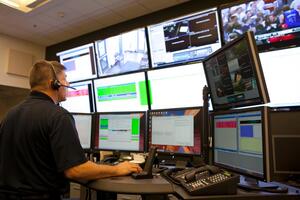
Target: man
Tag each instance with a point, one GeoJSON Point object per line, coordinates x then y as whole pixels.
{"type": "Point", "coordinates": [39, 145]}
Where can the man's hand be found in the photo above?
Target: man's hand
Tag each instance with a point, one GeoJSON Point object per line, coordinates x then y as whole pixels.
{"type": "Point", "coordinates": [126, 168]}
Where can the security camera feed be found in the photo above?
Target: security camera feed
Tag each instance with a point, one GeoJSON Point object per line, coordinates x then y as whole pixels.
{"type": "Point", "coordinates": [123, 53]}
{"type": "Point", "coordinates": [184, 39]}
{"type": "Point", "coordinates": [272, 21]}
{"type": "Point", "coordinates": [80, 63]}
{"type": "Point", "coordinates": [176, 130]}
{"type": "Point", "coordinates": [80, 100]}
{"type": "Point", "coordinates": [234, 75]}
{"type": "Point", "coordinates": [122, 131]}
{"type": "Point", "coordinates": [121, 93]}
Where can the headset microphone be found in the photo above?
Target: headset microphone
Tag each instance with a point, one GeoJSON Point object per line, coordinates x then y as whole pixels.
{"type": "Point", "coordinates": [68, 87]}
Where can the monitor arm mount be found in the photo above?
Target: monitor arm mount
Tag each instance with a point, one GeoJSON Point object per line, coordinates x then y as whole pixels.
{"type": "Point", "coordinates": [206, 127]}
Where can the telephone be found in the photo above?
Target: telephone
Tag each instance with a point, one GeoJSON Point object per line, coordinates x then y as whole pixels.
{"type": "Point", "coordinates": [147, 171]}
{"type": "Point", "coordinates": [205, 180]}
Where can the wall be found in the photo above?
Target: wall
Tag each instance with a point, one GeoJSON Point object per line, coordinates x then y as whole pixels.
{"type": "Point", "coordinates": [6, 43]}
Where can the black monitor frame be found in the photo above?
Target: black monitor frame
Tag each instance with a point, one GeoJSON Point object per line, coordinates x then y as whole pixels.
{"type": "Point", "coordinates": [281, 44]}
{"type": "Point", "coordinates": [92, 127]}
{"type": "Point", "coordinates": [176, 156]}
{"type": "Point", "coordinates": [237, 98]}
{"type": "Point", "coordinates": [91, 53]}
{"type": "Point", "coordinates": [103, 59]}
{"type": "Point", "coordinates": [189, 41]}
{"type": "Point", "coordinates": [266, 175]}
{"type": "Point", "coordinates": [143, 129]}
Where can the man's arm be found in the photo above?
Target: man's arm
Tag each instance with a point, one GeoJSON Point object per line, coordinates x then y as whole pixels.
{"type": "Point", "coordinates": [91, 171]}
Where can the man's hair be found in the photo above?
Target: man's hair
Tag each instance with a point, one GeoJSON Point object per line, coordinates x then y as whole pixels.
{"type": "Point", "coordinates": [42, 71]}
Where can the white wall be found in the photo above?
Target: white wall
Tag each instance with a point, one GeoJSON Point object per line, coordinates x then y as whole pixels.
{"type": "Point", "coordinates": [6, 43]}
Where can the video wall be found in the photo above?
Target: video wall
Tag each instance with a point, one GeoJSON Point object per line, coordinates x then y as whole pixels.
{"type": "Point", "coordinates": [160, 66]}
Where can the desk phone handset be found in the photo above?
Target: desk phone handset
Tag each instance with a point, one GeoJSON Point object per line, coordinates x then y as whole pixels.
{"type": "Point", "coordinates": [147, 171]}
{"type": "Point", "coordinates": [205, 180]}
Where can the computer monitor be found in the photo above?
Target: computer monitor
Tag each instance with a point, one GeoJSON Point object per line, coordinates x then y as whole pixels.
{"type": "Point", "coordinates": [120, 131]}
{"type": "Point", "coordinates": [234, 75]}
{"type": "Point", "coordinates": [80, 100]}
{"type": "Point", "coordinates": [276, 24]}
{"type": "Point", "coordinates": [122, 53]}
{"type": "Point", "coordinates": [176, 131]}
{"type": "Point", "coordinates": [84, 126]}
{"type": "Point", "coordinates": [184, 39]}
{"type": "Point", "coordinates": [241, 141]}
{"type": "Point", "coordinates": [80, 62]}
{"type": "Point", "coordinates": [176, 87]}
{"type": "Point", "coordinates": [282, 65]}
{"type": "Point", "coordinates": [121, 93]}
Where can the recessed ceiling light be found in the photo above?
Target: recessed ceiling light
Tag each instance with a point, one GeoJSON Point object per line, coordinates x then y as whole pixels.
{"type": "Point", "coordinates": [24, 5]}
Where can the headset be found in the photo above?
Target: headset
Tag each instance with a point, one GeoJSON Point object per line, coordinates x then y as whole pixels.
{"type": "Point", "coordinates": [55, 84]}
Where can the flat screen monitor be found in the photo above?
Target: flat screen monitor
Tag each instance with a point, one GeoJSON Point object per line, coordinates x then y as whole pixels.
{"type": "Point", "coordinates": [176, 131]}
{"type": "Point", "coordinates": [234, 75]}
{"type": "Point", "coordinates": [240, 141]}
{"type": "Point", "coordinates": [120, 131]}
{"type": "Point", "coordinates": [80, 63]}
{"type": "Point", "coordinates": [80, 100]}
{"type": "Point", "coordinates": [122, 53]}
{"type": "Point", "coordinates": [281, 71]}
{"type": "Point", "coordinates": [176, 87]}
{"type": "Point", "coordinates": [184, 39]}
{"type": "Point", "coordinates": [275, 23]}
{"type": "Point", "coordinates": [83, 123]}
{"type": "Point", "coordinates": [121, 93]}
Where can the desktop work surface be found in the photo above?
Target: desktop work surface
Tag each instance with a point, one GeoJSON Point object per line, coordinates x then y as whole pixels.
{"type": "Point", "coordinates": [158, 185]}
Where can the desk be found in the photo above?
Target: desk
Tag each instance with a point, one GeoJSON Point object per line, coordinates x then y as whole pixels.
{"type": "Point", "coordinates": [293, 194]}
{"type": "Point", "coordinates": [128, 185]}
{"type": "Point", "coordinates": [158, 188]}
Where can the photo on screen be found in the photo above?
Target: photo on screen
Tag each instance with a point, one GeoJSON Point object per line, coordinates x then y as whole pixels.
{"type": "Point", "coordinates": [121, 93]}
{"type": "Point", "coordinates": [120, 131]}
{"type": "Point", "coordinates": [281, 71]}
{"type": "Point", "coordinates": [122, 53]}
{"type": "Point", "coordinates": [83, 123]}
{"type": "Point", "coordinates": [240, 141]}
{"type": "Point", "coordinates": [275, 23]}
{"type": "Point", "coordinates": [176, 131]}
{"type": "Point", "coordinates": [234, 75]}
{"type": "Point", "coordinates": [80, 100]}
{"type": "Point", "coordinates": [80, 63]}
{"type": "Point", "coordinates": [184, 39]}
{"type": "Point", "coordinates": [176, 87]}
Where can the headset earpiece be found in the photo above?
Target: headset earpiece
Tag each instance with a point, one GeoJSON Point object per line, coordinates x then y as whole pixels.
{"type": "Point", "coordinates": [55, 84]}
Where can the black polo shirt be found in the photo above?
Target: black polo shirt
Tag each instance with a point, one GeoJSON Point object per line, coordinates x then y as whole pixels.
{"type": "Point", "coordinates": [38, 141]}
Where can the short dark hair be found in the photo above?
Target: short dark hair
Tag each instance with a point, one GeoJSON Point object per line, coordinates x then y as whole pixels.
{"type": "Point", "coordinates": [41, 72]}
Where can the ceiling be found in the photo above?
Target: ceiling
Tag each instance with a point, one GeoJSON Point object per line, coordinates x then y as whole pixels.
{"type": "Point", "coordinates": [60, 20]}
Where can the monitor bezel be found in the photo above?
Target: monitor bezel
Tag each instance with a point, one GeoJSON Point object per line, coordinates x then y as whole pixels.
{"type": "Point", "coordinates": [262, 47]}
{"type": "Point", "coordinates": [92, 127]}
{"type": "Point", "coordinates": [116, 76]}
{"type": "Point", "coordinates": [266, 176]}
{"type": "Point", "coordinates": [92, 57]}
{"type": "Point", "coordinates": [175, 67]}
{"type": "Point", "coordinates": [126, 72]}
{"type": "Point", "coordinates": [183, 62]}
{"type": "Point", "coordinates": [90, 94]}
{"type": "Point", "coordinates": [96, 130]}
{"type": "Point", "coordinates": [263, 97]}
{"type": "Point", "coordinates": [174, 155]}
